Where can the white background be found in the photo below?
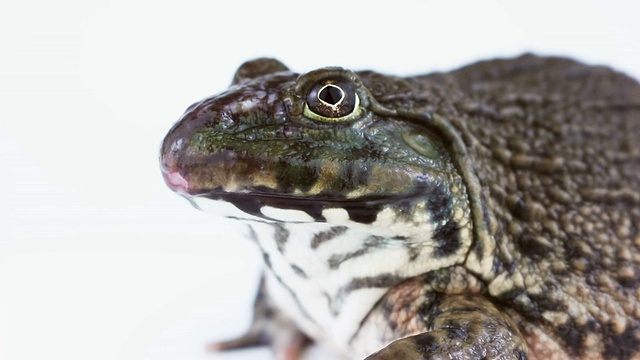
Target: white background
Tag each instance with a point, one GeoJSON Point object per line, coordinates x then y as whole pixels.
{"type": "Point", "coordinates": [98, 259]}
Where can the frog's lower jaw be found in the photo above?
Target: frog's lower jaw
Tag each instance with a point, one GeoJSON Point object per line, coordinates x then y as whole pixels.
{"type": "Point", "coordinates": [329, 275]}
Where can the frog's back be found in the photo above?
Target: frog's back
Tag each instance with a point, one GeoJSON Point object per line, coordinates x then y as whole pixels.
{"type": "Point", "coordinates": [556, 148]}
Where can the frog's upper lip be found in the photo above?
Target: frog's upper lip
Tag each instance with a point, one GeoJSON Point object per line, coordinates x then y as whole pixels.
{"type": "Point", "coordinates": [174, 180]}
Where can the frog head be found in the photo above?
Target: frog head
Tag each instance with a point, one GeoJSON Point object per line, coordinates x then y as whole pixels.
{"type": "Point", "coordinates": [314, 147]}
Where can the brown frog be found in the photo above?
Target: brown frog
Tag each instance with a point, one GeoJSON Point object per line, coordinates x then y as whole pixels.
{"type": "Point", "coordinates": [492, 212]}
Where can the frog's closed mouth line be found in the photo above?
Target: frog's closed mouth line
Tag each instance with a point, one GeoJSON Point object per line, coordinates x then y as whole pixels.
{"type": "Point", "coordinates": [362, 210]}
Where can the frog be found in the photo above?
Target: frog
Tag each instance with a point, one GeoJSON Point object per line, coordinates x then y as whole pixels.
{"type": "Point", "coordinates": [488, 212]}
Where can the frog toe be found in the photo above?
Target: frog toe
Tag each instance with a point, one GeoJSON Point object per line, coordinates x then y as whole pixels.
{"type": "Point", "coordinates": [286, 343]}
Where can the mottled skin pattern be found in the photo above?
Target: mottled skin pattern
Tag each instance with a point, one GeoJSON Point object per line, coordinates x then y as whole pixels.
{"type": "Point", "coordinates": [556, 148]}
{"type": "Point", "coordinates": [535, 165]}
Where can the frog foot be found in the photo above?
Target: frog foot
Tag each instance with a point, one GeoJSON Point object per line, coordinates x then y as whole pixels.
{"type": "Point", "coordinates": [287, 343]}
{"type": "Point", "coordinates": [269, 327]}
{"type": "Point", "coordinates": [464, 328]}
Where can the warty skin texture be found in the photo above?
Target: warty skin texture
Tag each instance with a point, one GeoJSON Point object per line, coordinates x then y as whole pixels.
{"type": "Point", "coordinates": [504, 198]}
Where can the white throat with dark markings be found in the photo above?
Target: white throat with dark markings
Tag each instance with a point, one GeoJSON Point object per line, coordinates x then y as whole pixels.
{"type": "Point", "coordinates": [329, 275]}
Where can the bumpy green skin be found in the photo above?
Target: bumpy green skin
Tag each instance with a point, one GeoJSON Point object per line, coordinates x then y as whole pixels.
{"type": "Point", "coordinates": [548, 150]}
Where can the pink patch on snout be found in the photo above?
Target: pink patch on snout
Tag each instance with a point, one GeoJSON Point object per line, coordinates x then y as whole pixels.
{"type": "Point", "coordinates": [177, 182]}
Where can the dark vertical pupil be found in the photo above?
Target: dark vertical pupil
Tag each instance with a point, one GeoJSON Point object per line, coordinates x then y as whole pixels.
{"type": "Point", "coordinates": [330, 94]}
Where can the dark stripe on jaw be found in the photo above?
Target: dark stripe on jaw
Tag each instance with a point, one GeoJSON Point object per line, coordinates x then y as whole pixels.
{"type": "Point", "coordinates": [383, 281]}
{"type": "Point", "coordinates": [325, 236]}
{"type": "Point", "coordinates": [281, 236]}
{"type": "Point", "coordinates": [370, 244]}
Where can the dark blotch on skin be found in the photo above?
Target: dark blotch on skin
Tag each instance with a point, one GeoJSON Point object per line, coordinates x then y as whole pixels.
{"type": "Point", "coordinates": [350, 176]}
{"type": "Point", "coordinates": [622, 346]}
{"type": "Point", "coordinates": [457, 331]}
{"type": "Point", "coordinates": [439, 204]}
{"type": "Point", "coordinates": [291, 177]}
{"type": "Point", "coordinates": [447, 239]}
{"type": "Point", "coordinates": [355, 175]}
{"type": "Point", "coordinates": [530, 247]}
{"type": "Point", "coordinates": [426, 342]}
{"type": "Point", "coordinates": [630, 282]}
{"type": "Point", "coordinates": [573, 336]}
{"type": "Point", "coordinates": [521, 355]}
{"type": "Point", "coordinates": [366, 214]}
{"type": "Point", "coordinates": [414, 252]}
{"type": "Point", "coordinates": [519, 208]}
{"type": "Point", "coordinates": [447, 234]}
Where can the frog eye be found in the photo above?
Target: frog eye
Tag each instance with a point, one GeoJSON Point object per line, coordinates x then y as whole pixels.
{"type": "Point", "coordinates": [332, 100]}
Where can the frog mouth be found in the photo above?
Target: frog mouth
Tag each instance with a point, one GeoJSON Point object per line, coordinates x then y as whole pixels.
{"type": "Point", "coordinates": [256, 203]}
{"type": "Point", "coordinates": [262, 202]}
{"type": "Point", "coordinates": [175, 181]}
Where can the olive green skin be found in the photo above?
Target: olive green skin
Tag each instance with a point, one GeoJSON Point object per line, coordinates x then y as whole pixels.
{"type": "Point", "coordinates": [256, 132]}
{"type": "Point", "coordinates": [549, 151]}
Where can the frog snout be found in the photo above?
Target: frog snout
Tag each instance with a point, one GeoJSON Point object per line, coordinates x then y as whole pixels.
{"type": "Point", "coordinates": [171, 174]}
{"type": "Point", "coordinates": [176, 182]}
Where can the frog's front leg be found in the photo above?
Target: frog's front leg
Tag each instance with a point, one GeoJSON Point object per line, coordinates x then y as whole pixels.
{"type": "Point", "coordinates": [461, 327]}
{"type": "Point", "coordinates": [268, 327]}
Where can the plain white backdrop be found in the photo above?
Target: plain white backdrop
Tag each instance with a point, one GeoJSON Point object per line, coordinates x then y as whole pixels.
{"type": "Point", "coordinates": [98, 259]}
